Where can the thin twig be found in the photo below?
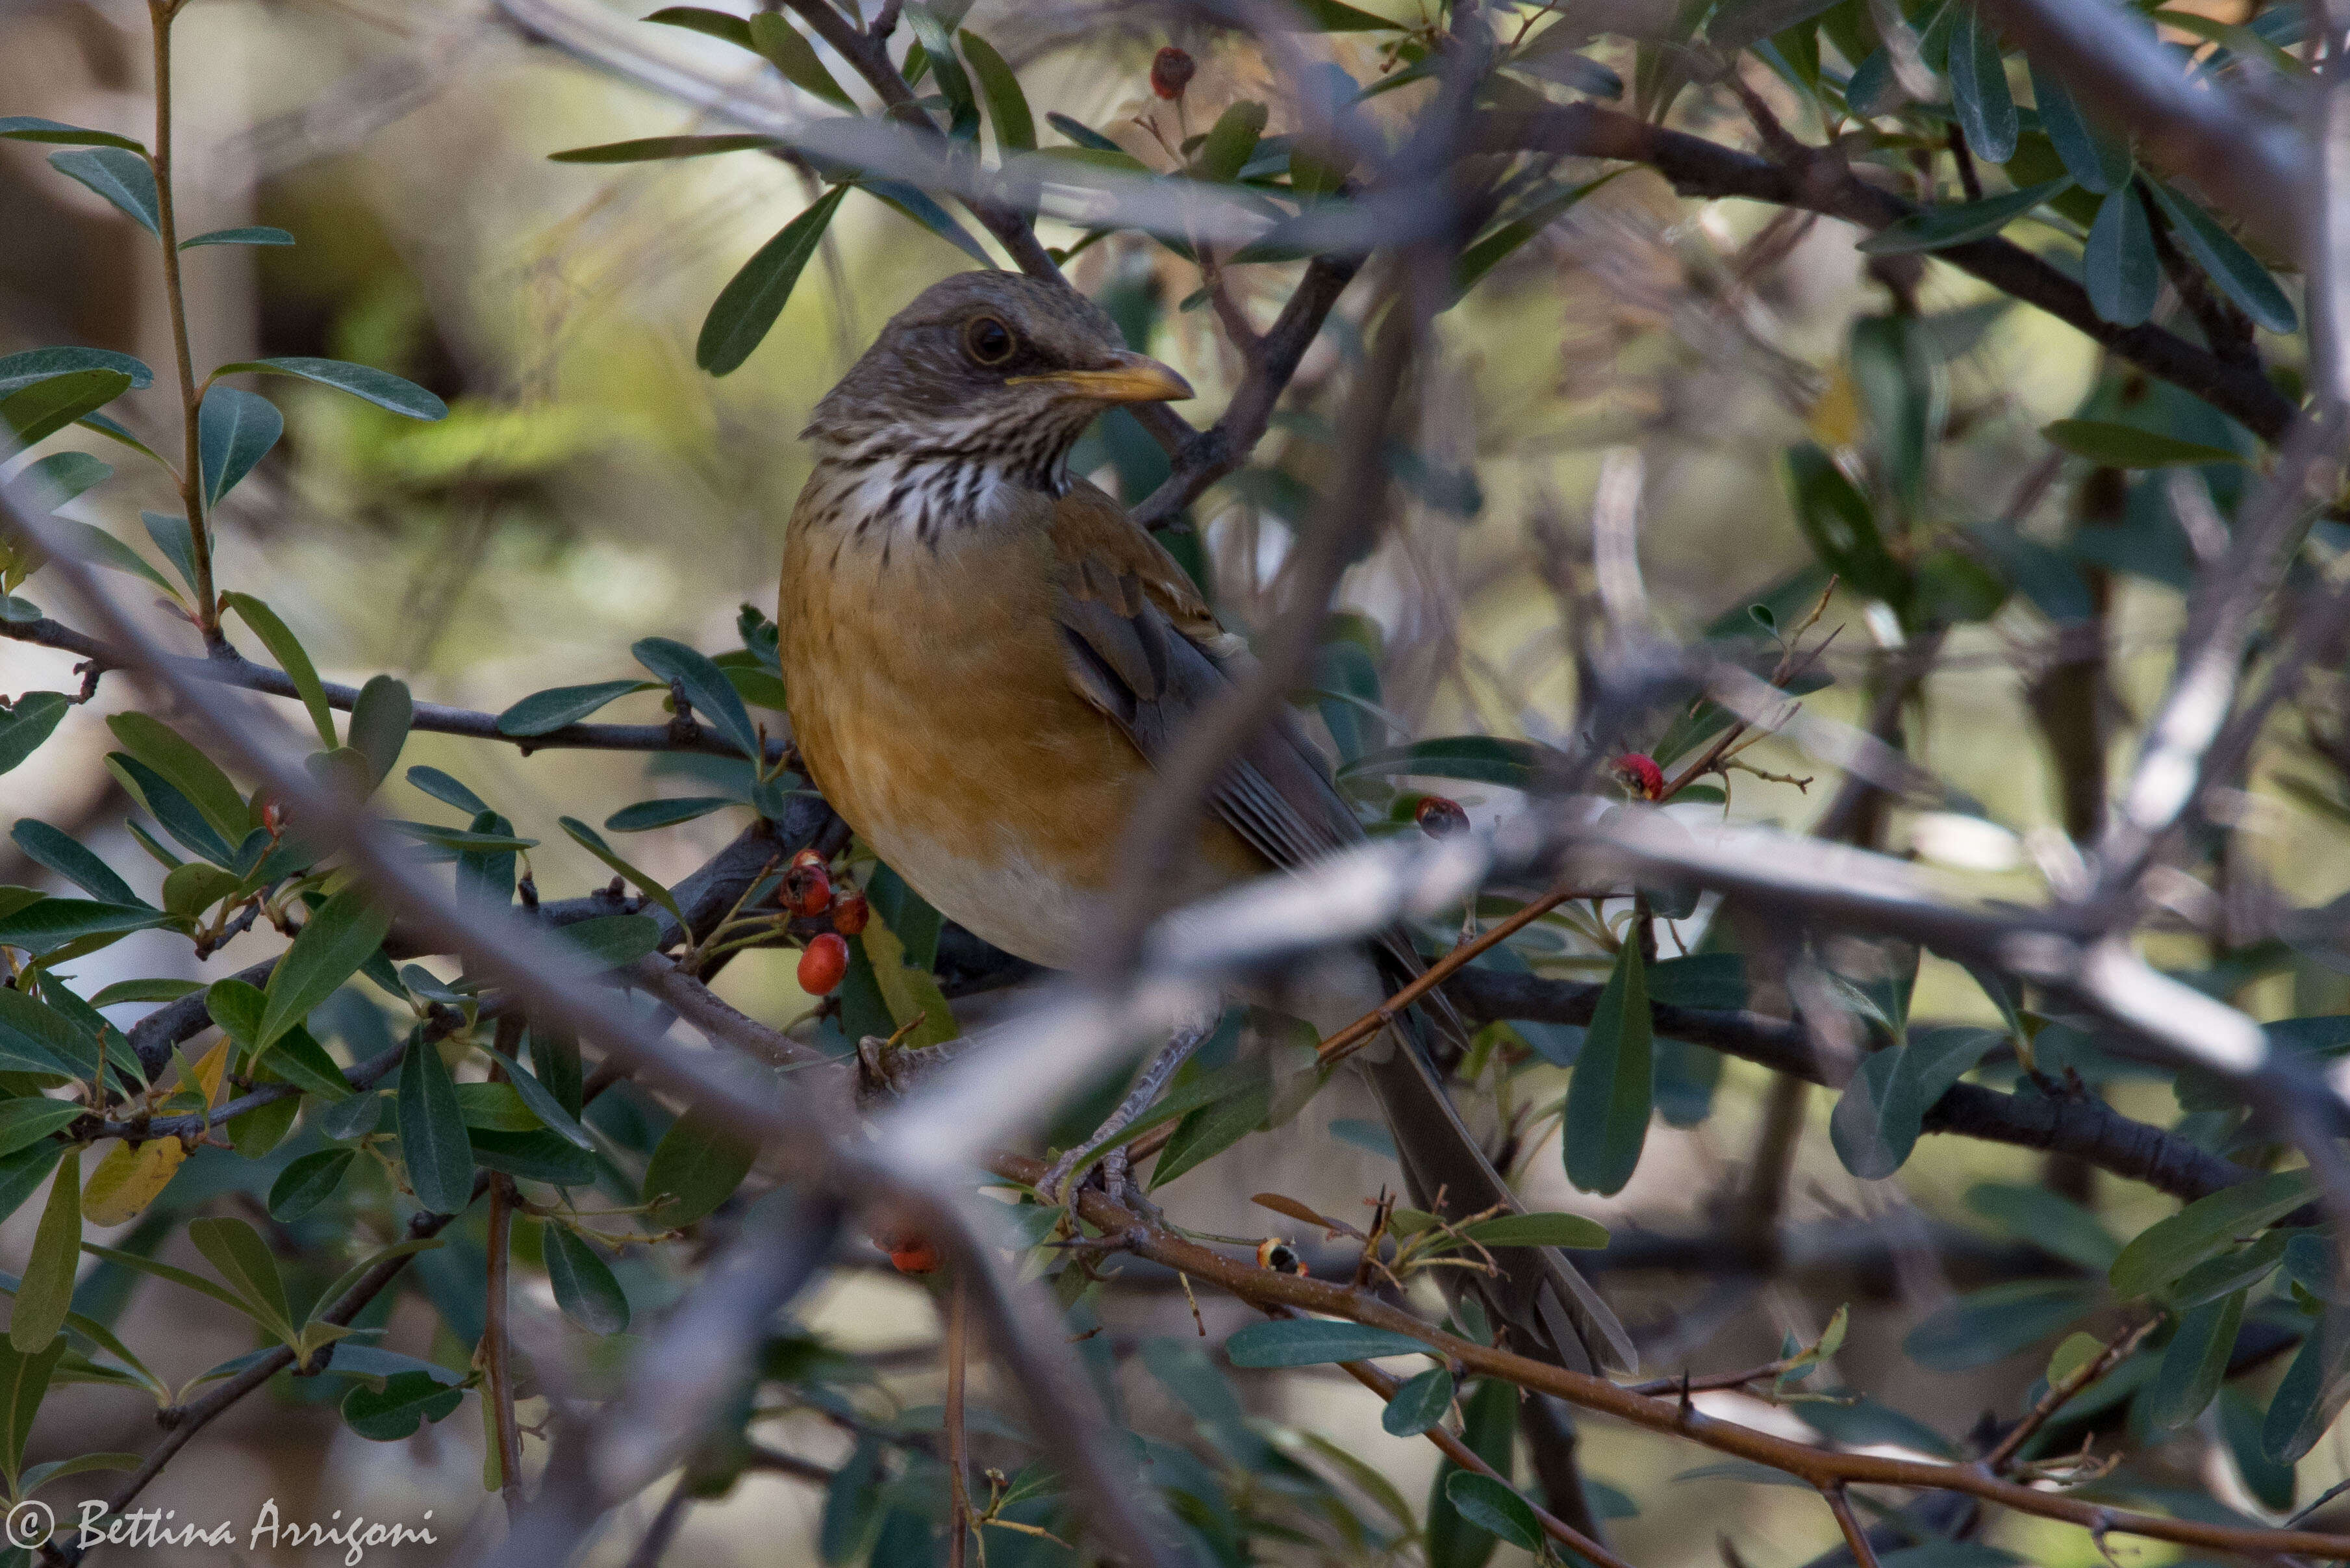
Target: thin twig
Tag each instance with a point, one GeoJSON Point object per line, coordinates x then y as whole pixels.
{"type": "Point", "coordinates": [1342, 1044]}
{"type": "Point", "coordinates": [1864, 1556]}
{"type": "Point", "coordinates": [958, 1348]}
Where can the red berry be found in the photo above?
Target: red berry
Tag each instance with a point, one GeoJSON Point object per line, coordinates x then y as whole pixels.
{"type": "Point", "coordinates": [1171, 71]}
{"type": "Point", "coordinates": [807, 885]}
{"type": "Point", "coordinates": [910, 1254]}
{"type": "Point", "coordinates": [1639, 772]}
{"type": "Point", "coordinates": [823, 962]}
{"type": "Point", "coordinates": [1439, 817]}
{"type": "Point", "coordinates": [850, 911]}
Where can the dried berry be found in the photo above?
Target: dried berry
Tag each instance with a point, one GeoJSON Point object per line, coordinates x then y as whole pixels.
{"type": "Point", "coordinates": [1278, 1255]}
{"type": "Point", "coordinates": [1171, 71]}
{"type": "Point", "coordinates": [850, 911]}
{"type": "Point", "coordinates": [1639, 772]}
{"type": "Point", "coordinates": [823, 962]}
{"type": "Point", "coordinates": [807, 885]}
{"type": "Point", "coordinates": [1440, 816]}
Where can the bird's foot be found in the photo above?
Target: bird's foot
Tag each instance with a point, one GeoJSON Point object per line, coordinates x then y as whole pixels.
{"type": "Point", "coordinates": [1118, 1182]}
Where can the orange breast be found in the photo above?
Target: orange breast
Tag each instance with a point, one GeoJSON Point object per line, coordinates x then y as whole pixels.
{"type": "Point", "coordinates": [930, 702]}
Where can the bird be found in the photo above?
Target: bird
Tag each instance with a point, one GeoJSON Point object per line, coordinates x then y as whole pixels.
{"type": "Point", "coordinates": [982, 654]}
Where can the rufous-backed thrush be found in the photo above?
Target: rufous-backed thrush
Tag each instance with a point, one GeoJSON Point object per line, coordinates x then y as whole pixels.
{"type": "Point", "coordinates": [982, 653]}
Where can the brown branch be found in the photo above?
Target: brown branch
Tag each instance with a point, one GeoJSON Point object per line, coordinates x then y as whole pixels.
{"type": "Point", "coordinates": [1342, 1044]}
{"type": "Point", "coordinates": [1855, 1538]}
{"type": "Point", "coordinates": [497, 1345]}
{"type": "Point", "coordinates": [2000, 1458]}
{"type": "Point", "coordinates": [1821, 1468]}
{"type": "Point", "coordinates": [1698, 167]}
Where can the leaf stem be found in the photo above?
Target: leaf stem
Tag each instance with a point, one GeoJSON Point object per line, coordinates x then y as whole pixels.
{"type": "Point", "coordinates": [497, 1350]}
{"type": "Point", "coordinates": [160, 15]}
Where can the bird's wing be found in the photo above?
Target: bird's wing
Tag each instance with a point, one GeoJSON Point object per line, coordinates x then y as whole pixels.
{"type": "Point", "coordinates": [1140, 644]}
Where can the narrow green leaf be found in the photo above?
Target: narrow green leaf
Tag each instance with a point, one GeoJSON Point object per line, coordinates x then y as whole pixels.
{"type": "Point", "coordinates": [255, 235]}
{"type": "Point", "coordinates": [1494, 1508]}
{"type": "Point", "coordinates": [20, 370]}
{"type": "Point", "coordinates": [1537, 1231]}
{"type": "Point", "coordinates": [1613, 1091]}
{"type": "Point", "coordinates": [1490, 251]}
{"type": "Point", "coordinates": [1007, 105]}
{"type": "Point", "coordinates": [234, 430]}
{"type": "Point", "coordinates": [542, 713]}
{"type": "Point", "coordinates": [43, 928]}
{"type": "Point", "coordinates": [954, 84]}
{"type": "Point", "coordinates": [33, 128]}
{"type": "Point", "coordinates": [2110, 445]}
{"type": "Point", "coordinates": [2048, 1221]}
{"type": "Point", "coordinates": [46, 1296]}
{"type": "Point", "coordinates": [53, 848]}
{"type": "Point", "coordinates": [1979, 90]}
{"type": "Point", "coordinates": [1309, 1341]}
{"type": "Point", "coordinates": [541, 1102]}
{"type": "Point", "coordinates": [613, 941]}
{"type": "Point", "coordinates": [365, 383]}
{"type": "Point", "coordinates": [45, 485]}
{"type": "Point", "coordinates": [916, 205]}
{"type": "Point", "coordinates": [657, 148]}
{"type": "Point", "coordinates": [1952, 223]}
{"type": "Point", "coordinates": [584, 1286]}
{"type": "Point", "coordinates": [651, 814]}
{"type": "Point", "coordinates": [1483, 759]}
{"type": "Point", "coordinates": [2236, 270]}
{"type": "Point", "coordinates": [288, 650]}
{"type": "Point", "coordinates": [182, 762]}
{"type": "Point", "coordinates": [119, 175]}
{"type": "Point", "coordinates": [749, 304]}
{"type": "Point", "coordinates": [432, 1140]}
{"type": "Point", "coordinates": [2313, 1392]}
{"type": "Point", "coordinates": [48, 406]}
{"type": "Point", "coordinates": [25, 1378]}
{"type": "Point", "coordinates": [308, 1182]}
{"type": "Point", "coordinates": [697, 1165]}
{"type": "Point", "coordinates": [2169, 1247]}
{"type": "Point", "coordinates": [100, 548]}
{"type": "Point", "coordinates": [443, 788]}
{"type": "Point", "coordinates": [237, 1251]}
{"type": "Point", "coordinates": [171, 535]}
{"type": "Point", "coordinates": [340, 935]}
{"type": "Point", "coordinates": [27, 1121]}
{"type": "Point", "coordinates": [593, 841]}
{"type": "Point", "coordinates": [1213, 1129]}
{"type": "Point", "coordinates": [705, 686]}
{"type": "Point", "coordinates": [33, 719]}
{"type": "Point", "coordinates": [2194, 1362]}
{"type": "Point", "coordinates": [2118, 264]}
{"type": "Point", "coordinates": [1990, 1324]}
{"type": "Point", "coordinates": [781, 46]}
{"type": "Point", "coordinates": [2096, 163]}
{"type": "Point", "coordinates": [711, 24]}
{"type": "Point", "coordinates": [1419, 1404]}
{"type": "Point", "coordinates": [1231, 141]}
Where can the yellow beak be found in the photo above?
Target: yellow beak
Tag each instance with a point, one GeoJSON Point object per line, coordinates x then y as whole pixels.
{"type": "Point", "coordinates": [1131, 378]}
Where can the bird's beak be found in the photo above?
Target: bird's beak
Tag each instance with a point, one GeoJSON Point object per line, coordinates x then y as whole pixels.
{"type": "Point", "coordinates": [1128, 378]}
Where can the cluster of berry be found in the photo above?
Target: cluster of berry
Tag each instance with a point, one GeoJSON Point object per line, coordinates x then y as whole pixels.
{"type": "Point", "coordinates": [808, 891]}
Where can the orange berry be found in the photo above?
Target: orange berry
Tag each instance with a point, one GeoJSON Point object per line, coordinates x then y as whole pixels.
{"type": "Point", "coordinates": [823, 962]}
{"type": "Point", "coordinates": [1639, 772]}
{"type": "Point", "coordinates": [850, 911]}
{"type": "Point", "coordinates": [910, 1254]}
{"type": "Point", "coordinates": [1171, 71]}
{"type": "Point", "coordinates": [1440, 816]}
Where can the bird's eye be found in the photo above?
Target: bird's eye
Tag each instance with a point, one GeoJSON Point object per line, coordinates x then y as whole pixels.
{"type": "Point", "coordinates": [988, 341]}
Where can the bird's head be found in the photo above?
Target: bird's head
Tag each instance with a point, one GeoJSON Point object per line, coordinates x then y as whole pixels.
{"type": "Point", "coordinates": [990, 368]}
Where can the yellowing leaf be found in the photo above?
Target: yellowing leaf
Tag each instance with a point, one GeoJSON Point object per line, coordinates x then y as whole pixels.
{"type": "Point", "coordinates": [907, 991]}
{"type": "Point", "coordinates": [1834, 419]}
{"type": "Point", "coordinates": [210, 1070]}
{"type": "Point", "coordinates": [128, 1180]}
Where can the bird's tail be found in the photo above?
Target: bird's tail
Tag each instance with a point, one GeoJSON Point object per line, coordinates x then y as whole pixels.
{"type": "Point", "coordinates": [1551, 1309]}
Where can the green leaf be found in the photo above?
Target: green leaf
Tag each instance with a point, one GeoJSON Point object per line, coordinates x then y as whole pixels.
{"type": "Point", "coordinates": [1613, 1092]}
{"type": "Point", "coordinates": [1309, 1341]}
{"type": "Point", "coordinates": [288, 650]}
{"type": "Point", "coordinates": [1007, 105]}
{"type": "Point", "coordinates": [1990, 1324]}
{"type": "Point", "coordinates": [58, 851]}
{"type": "Point", "coordinates": [538, 1155]}
{"type": "Point", "coordinates": [119, 175]}
{"type": "Point", "coordinates": [705, 686]}
{"type": "Point", "coordinates": [1979, 90]}
{"type": "Point", "coordinates": [1952, 223]}
{"type": "Point", "coordinates": [494, 1108]}
{"type": "Point", "coordinates": [23, 1384]}
{"type": "Point", "coordinates": [1084, 135]}
{"type": "Point", "coordinates": [37, 1038]}
{"type": "Point", "coordinates": [2110, 445]}
{"type": "Point", "coordinates": [750, 303]}
{"type": "Point", "coordinates": [24, 726]}
{"type": "Point", "coordinates": [542, 713]}
{"type": "Point", "coordinates": [917, 206]}
{"type": "Point", "coordinates": [171, 535]}
{"type": "Point", "coordinates": [2194, 1362]}
{"type": "Point", "coordinates": [299, 1059]}
{"type": "Point", "coordinates": [655, 149]}
{"type": "Point", "coordinates": [365, 383]}
{"type": "Point", "coordinates": [1876, 1122]}
{"type": "Point", "coordinates": [1483, 759]}
{"type": "Point", "coordinates": [255, 235]}
{"type": "Point", "coordinates": [1841, 525]}
{"type": "Point", "coordinates": [2118, 264]}
{"type": "Point", "coordinates": [613, 941]}
{"type": "Point", "coordinates": [1419, 1404]}
{"type": "Point", "coordinates": [44, 927]}
{"type": "Point", "coordinates": [47, 1293]}
{"type": "Point", "coordinates": [237, 1251]}
{"type": "Point", "coordinates": [2313, 1392]}
{"type": "Point", "coordinates": [32, 128]}
{"type": "Point", "coordinates": [1494, 1508]}
{"type": "Point", "coordinates": [697, 1165]}
{"type": "Point", "coordinates": [55, 480]}
{"type": "Point", "coordinates": [100, 548]}
{"type": "Point", "coordinates": [700, 19]}
{"type": "Point", "coordinates": [308, 1182]}
{"type": "Point", "coordinates": [432, 1140]}
{"type": "Point", "coordinates": [1231, 142]}
{"type": "Point", "coordinates": [2236, 270]}
{"type": "Point", "coordinates": [49, 406]}
{"type": "Point", "coordinates": [938, 50]}
{"type": "Point", "coordinates": [2098, 162]}
{"type": "Point", "coordinates": [1337, 16]}
{"type": "Point", "coordinates": [1537, 1231]}
{"type": "Point", "coordinates": [1490, 251]}
{"type": "Point", "coordinates": [2048, 1221]}
{"type": "Point", "coordinates": [2169, 1247]}
{"type": "Point", "coordinates": [1213, 1129]}
{"type": "Point", "coordinates": [406, 1401]}
{"type": "Point", "coordinates": [179, 815]}
{"type": "Point", "coordinates": [234, 430]}
{"type": "Point", "coordinates": [650, 814]}
{"type": "Point", "coordinates": [780, 45]}
{"type": "Point", "coordinates": [187, 769]}
{"type": "Point", "coordinates": [27, 1121]}
{"type": "Point", "coordinates": [379, 722]}
{"type": "Point", "coordinates": [1488, 1425]}
{"type": "Point", "coordinates": [340, 935]}
{"type": "Point", "coordinates": [447, 790]}
{"type": "Point", "coordinates": [541, 1103]}
{"type": "Point", "coordinates": [584, 1286]}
